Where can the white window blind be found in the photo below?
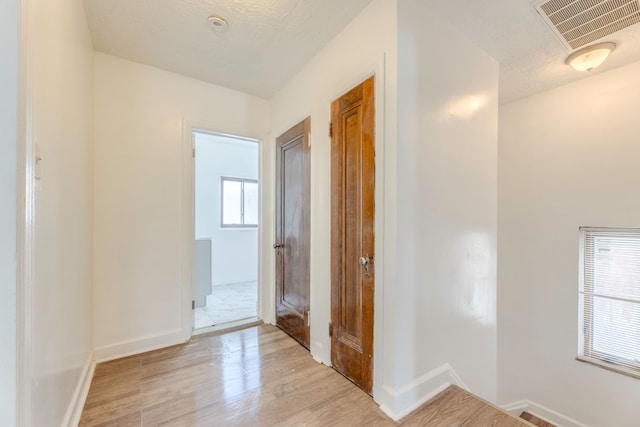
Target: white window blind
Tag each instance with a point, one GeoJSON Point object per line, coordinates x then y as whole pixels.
{"type": "Point", "coordinates": [610, 298]}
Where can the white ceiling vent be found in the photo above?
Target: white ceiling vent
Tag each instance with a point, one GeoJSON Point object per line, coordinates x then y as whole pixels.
{"type": "Point", "coordinates": [578, 23]}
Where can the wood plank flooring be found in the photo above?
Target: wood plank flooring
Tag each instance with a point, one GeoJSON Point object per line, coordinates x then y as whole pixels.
{"type": "Point", "coordinates": [535, 420]}
{"type": "Point", "coordinates": [254, 377]}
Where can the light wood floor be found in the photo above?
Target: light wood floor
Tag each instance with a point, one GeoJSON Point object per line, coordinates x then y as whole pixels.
{"type": "Point", "coordinates": [254, 377]}
{"type": "Point", "coordinates": [535, 420]}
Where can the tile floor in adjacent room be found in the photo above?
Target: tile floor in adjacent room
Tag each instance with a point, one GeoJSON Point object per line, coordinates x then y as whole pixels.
{"type": "Point", "coordinates": [228, 303]}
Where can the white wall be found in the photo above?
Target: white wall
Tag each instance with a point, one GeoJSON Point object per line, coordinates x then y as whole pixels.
{"type": "Point", "coordinates": [445, 295]}
{"type": "Point", "coordinates": [234, 250]}
{"type": "Point", "coordinates": [365, 47]}
{"type": "Point", "coordinates": [438, 198]}
{"type": "Point", "coordinates": [140, 189]}
{"type": "Point", "coordinates": [8, 129]}
{"type": "Point", "coordinates": [568, 157]}
{"type": "Point", "coordinates": [60, 81]}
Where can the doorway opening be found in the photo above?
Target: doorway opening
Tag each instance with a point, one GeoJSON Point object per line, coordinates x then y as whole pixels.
{"type": "Point", "coordinates": [225, 285]}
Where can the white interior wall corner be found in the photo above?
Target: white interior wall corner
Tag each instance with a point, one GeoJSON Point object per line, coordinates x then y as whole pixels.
{"type": "Point", "coordinates": [59, 98]}
{"type": "Point", "coordinates": [447, 198]}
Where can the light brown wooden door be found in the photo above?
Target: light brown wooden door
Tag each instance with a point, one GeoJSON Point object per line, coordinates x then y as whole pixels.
{"type": "Point", "coordinates": [352, 234]}
{"type": "Point", "coordinates": [293, 231]}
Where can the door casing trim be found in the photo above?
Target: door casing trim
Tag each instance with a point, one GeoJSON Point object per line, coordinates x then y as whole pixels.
{"type": "Point", "coordinates": [187, 223]}
{"type": "Point", "coordinates": [385, 214]}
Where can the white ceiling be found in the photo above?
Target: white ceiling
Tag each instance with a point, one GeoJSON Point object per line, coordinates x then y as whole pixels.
{"type": "Point", "coordinates": [268, 41]}
{"type": "Point", "coordinates": [531, 58]}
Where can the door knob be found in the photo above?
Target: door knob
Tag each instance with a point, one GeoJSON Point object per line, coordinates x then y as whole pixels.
{"type": "Point", "coordinates": [365, 261]}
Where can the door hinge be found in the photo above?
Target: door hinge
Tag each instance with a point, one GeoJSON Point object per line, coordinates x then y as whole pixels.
{"type": "Point", "coordinates": [330, 329]}
{"type": "Point", "coordinates": [193, 304]}
{"type": "Point", "coordinates": [193, 153]}
{"type": "Point", "coordinates": [330, 130]}
{"type": "Point", "coordinates": [309, 318]}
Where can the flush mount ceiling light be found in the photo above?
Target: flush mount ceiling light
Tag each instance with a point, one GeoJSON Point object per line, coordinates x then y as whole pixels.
{"type": "Point", "coordinates": [218, 23]}
{"type": "Point", "coordinates": [588, 58]}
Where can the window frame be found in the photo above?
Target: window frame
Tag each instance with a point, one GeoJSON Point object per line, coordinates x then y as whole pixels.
{"type": "Point", "coordinates": [242, 182]}
{"type": "Point", "coordinates": [586, 323]}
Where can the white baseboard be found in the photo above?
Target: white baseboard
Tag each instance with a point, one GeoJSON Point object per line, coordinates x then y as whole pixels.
{"type": "Point", "coordinates": [516, 408]}
{"type": "Point", "coordinates": [542, 412]}
{"type": "Point", "coordinates": [456, 380]}
{"type": "Point", "coordinates": [140, 345]}
{"type": "Point", "coordinates": [74, 412]}
{"type": "Point", "coordinates": [397, 404]}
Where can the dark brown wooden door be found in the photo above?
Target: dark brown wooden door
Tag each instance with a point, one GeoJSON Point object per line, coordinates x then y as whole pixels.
{"type": "Point", "coordinates": [352, 234]}
{"type": "Point", "coordinates": [293, 231]}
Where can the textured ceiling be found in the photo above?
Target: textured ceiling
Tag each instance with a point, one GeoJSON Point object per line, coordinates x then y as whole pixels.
{"type": "Point", "coordinates": [268, 41]}
{"type": "Point", "coordinates": [531, 58]}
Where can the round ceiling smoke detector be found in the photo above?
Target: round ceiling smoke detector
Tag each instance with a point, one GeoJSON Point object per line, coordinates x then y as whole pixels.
{"type": "Point", "coordinates": [218, 23]}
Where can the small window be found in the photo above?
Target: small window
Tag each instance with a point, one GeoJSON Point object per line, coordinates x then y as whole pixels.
{"type": "Point", "coordinates": [610, 298]}
{"type": "Point", "coordinates": [239, 202]}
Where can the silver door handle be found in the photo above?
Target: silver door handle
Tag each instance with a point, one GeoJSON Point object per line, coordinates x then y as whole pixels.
{"type": "Point", "coordinates": [365, 261]}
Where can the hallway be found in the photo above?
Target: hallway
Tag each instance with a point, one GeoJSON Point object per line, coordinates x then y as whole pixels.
{"type": "Point", "coordinates": [255, 376]}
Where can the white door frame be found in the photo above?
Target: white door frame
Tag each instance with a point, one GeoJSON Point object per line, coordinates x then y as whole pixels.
{"type": "Point", "coordinates": [188, 218]}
